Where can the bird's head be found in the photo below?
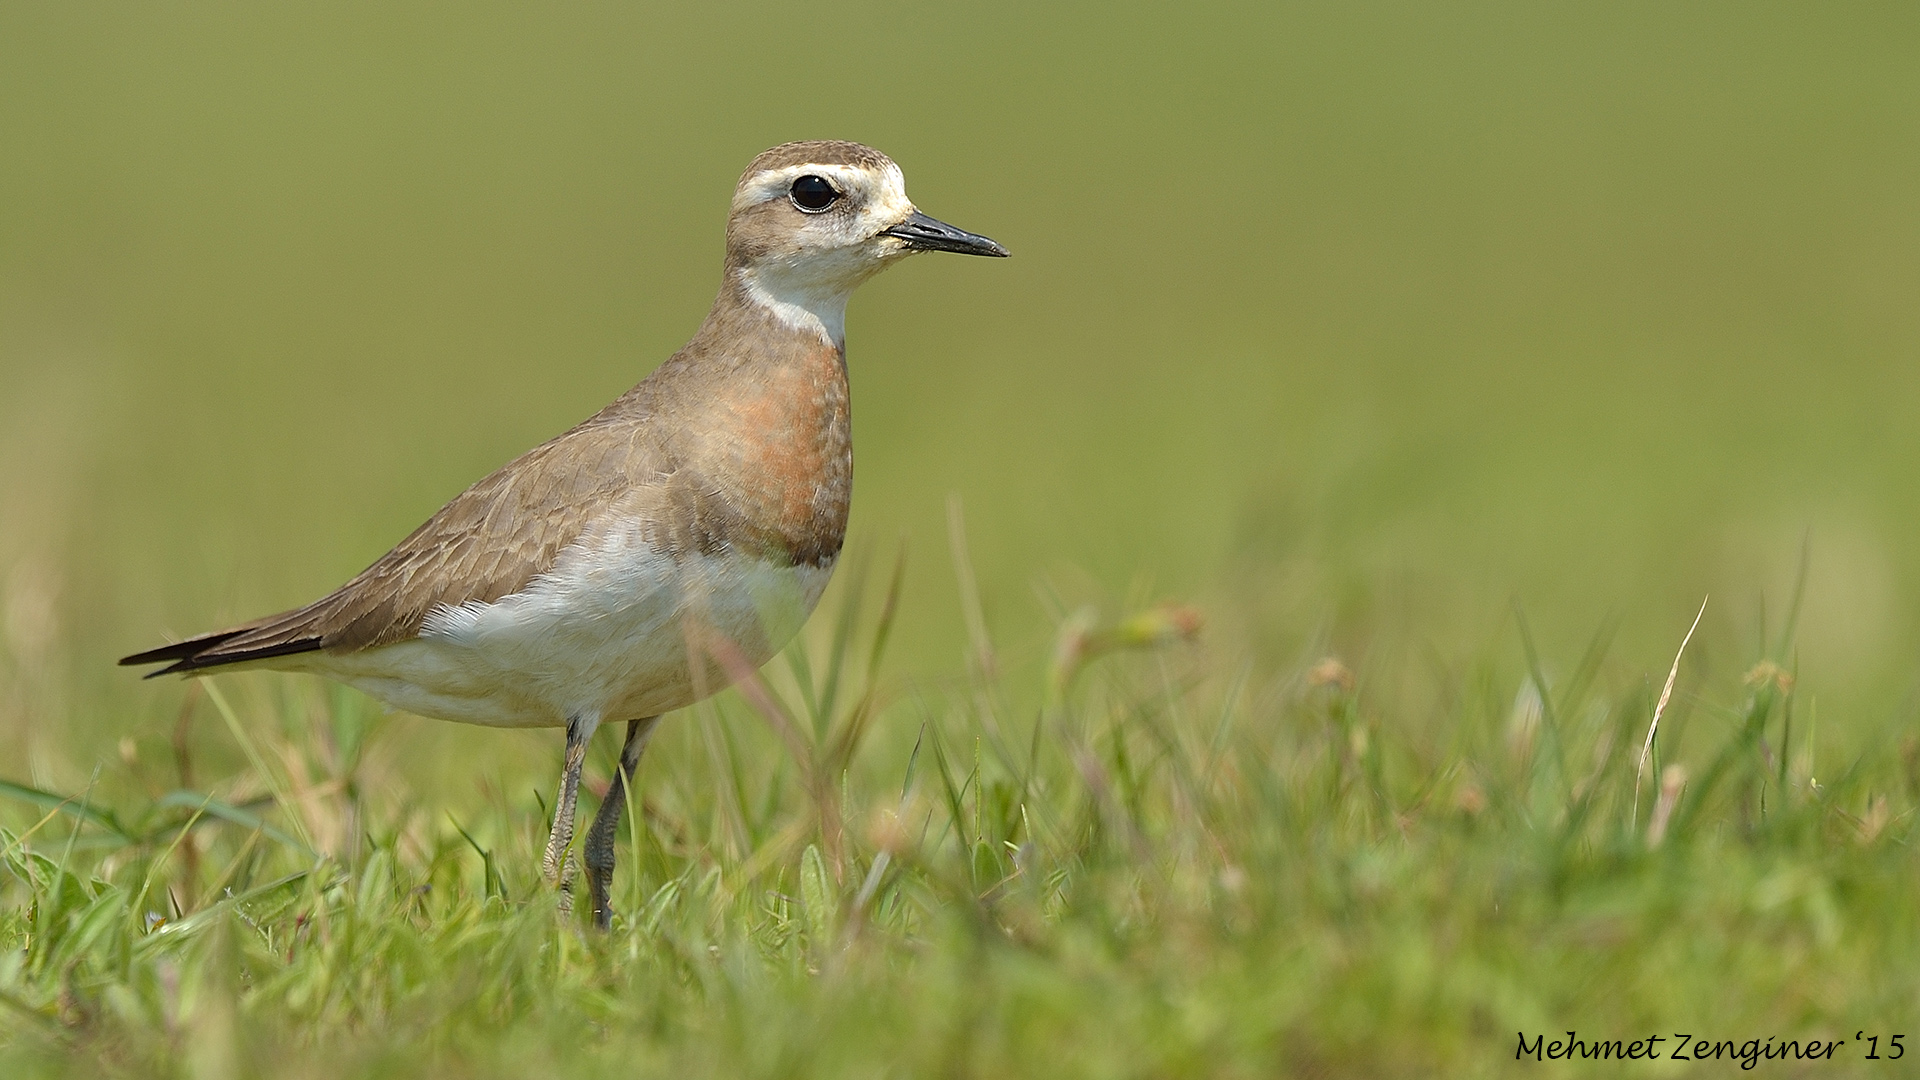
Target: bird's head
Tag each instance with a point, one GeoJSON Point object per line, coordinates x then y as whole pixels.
{"type": "Point", "coordinates": [812, 220]}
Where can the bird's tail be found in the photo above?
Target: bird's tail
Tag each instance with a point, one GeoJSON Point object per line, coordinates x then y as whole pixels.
{"type": "Point", "coordinates": [220, 649]}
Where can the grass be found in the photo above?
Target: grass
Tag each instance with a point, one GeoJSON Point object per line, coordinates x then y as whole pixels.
{"type": "Point", "coordinates": [1124, 856]}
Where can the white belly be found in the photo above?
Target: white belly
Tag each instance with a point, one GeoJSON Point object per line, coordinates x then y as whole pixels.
{"type": "Point", "coordinates": [605, 634]}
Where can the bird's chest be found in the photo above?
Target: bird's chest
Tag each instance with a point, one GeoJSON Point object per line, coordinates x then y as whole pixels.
{"type": "Point", "coordinates": [781, 457]}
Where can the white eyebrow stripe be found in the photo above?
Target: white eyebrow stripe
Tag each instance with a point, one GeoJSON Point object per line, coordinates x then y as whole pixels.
{"type": "Point", "coordinates": [765, 185]}
{"type": "Point", "coordinates": [886, 188]}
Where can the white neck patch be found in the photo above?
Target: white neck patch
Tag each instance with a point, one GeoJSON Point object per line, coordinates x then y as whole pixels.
{"type": "Point", "coordinates": [799, 304]}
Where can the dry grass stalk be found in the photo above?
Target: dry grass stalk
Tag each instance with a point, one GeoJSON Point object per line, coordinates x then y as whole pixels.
{"type": "Point", "coordinates": [1666, 694]}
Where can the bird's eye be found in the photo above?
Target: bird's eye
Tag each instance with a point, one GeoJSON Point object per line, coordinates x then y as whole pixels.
{"type": "Point", "coordinates": [813, 194]}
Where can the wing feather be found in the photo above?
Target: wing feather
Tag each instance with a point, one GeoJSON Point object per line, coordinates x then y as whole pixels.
{"type": "Point", "coordinates": [490, 541]}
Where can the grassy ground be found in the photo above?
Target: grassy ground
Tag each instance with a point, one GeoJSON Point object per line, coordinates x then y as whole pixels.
{"type": "Point", "coordinates": [1122, 858]}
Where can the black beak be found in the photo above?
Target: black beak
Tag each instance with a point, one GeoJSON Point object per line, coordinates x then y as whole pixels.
{"type": "Point", "coordinates": [923, 233]}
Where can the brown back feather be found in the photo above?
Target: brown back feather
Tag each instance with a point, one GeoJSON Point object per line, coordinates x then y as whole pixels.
{"type": "Point", "coordinates": [720, 448]}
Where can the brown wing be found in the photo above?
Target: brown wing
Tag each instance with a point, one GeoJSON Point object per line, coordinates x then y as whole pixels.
{"type": "Point", "coordinates": [491, 540]}
{"type": "Point", "coordinates": [708, 453]}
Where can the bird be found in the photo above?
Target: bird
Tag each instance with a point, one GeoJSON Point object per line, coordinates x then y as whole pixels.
{"type": "Point", "coordinates": [624, 568]}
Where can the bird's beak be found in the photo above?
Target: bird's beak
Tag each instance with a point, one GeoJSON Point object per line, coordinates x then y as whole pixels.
{"type": "Point", "coordinates": [923, 233]}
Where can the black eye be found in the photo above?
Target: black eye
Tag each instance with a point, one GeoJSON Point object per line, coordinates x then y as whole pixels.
{"type": "Point", "coordinates": [813, 194]}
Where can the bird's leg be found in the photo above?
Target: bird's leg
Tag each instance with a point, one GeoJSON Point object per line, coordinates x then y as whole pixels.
{"type": "Point", "coordinates": [580, 731]}
{"type": "Point", "coordinates": [607, 822]}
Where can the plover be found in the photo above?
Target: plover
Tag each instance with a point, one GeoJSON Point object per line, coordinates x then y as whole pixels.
{"type": "Point", "coordinates": [594, 577]}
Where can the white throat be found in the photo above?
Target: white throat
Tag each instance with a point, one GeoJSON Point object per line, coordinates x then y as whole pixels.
{"type": "Point", "coordinates": [811, 306]}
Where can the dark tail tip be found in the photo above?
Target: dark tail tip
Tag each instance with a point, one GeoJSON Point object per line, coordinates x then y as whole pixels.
{"type": "Point", "coordinates": [179, 650]}
{"type": "Point", "coordinates": [197, 654]}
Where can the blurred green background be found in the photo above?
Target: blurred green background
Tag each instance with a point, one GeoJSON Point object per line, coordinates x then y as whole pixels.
{"type": "Point", "coordinates": [1351, 323]}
